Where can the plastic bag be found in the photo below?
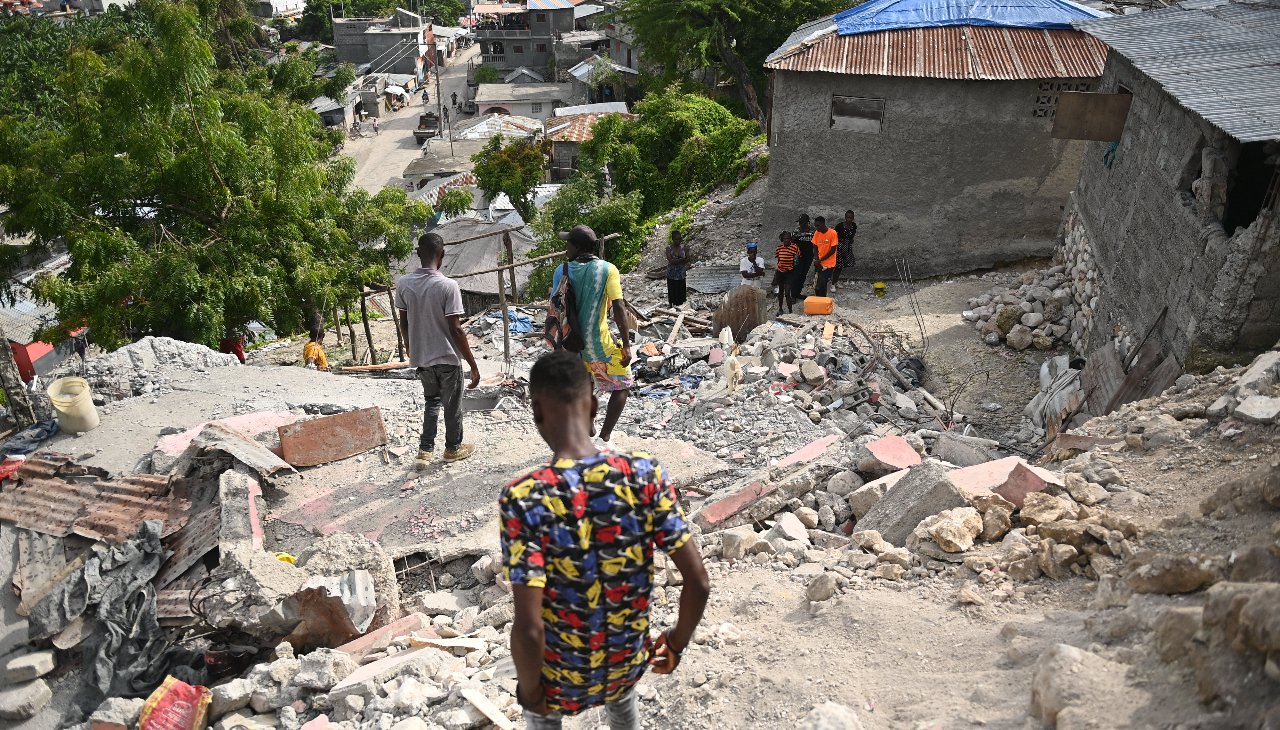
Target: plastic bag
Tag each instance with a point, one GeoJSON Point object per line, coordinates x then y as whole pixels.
{"type": "Point", "coordinates": [175, 705]}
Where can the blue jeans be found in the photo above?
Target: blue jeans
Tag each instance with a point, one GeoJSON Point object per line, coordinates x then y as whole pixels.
{"type": "Point", "coordinates": [441, 385]}
{"type": "Point", "coordinates": [623, 714]}
{"type": "Point", "coordinates": [824, 278]}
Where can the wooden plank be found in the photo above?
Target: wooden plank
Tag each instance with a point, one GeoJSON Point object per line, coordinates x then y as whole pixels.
{"type": "Point", "coordinates": [1131, 387]}
{"type": "Point", "coordinates": [1162, 377]}
{"type": "Point", "coordinates": [828, 331]}
{"type": "Point", "coordinates": [675, 331]}
{"type": "Point", "coordinates": [1101, 378]}
{"type": "Point", "coordinates": [382, 366]}
{"type": "Point", "coordinates": [330, 438]}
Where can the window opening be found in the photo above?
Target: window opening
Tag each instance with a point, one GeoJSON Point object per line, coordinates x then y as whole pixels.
{"type": "Point", "coordinates": [855, 114]}
{"type": "Point", "coordinates": [1247, 187]}
{"type": "Point", "coordinates": [1046, 105]}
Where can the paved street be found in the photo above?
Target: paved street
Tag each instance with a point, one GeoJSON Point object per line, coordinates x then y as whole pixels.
{"type": "Point", "coordinates": [381, 158]}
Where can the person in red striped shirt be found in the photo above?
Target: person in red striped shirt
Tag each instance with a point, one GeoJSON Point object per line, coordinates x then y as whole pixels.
{"type": "Point", "coordinates": [787, 253]}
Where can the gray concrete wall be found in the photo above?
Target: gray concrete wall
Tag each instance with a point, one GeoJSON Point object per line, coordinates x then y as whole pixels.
{"type": "Point", "coordinates": [962, 175]}
{"type": "Point", "coordinates": [1153, 222]}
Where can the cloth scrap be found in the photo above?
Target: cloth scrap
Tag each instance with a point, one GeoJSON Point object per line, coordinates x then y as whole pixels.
{"type": "Point", "coordinates": [520, 324]}
{"type": "Point", "coordinates": [29, 440]}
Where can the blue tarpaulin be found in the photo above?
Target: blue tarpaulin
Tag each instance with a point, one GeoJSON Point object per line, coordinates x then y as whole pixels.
{"type": "Point", "coordinates": [899, 14]}
{"type": "Point", "coordinates": [521, 324]}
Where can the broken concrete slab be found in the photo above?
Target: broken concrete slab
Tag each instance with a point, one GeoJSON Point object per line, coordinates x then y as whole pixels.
{"type": "Point", "coordinates": [240, 523]}
{"type": "Point", "coordinates": [339, 553]}
{"type": "Point", "coordinates": [961, 453]}
{"type": "Point", "coordinates": [986, 478]}
{"type": "Point", "coordinates": [369, 676]}
{"type": "Point", "coordinates": [894, 451]}
{"type": "Point", "coordinates": [29, 666]}
{"type": "Point", "coordinates": [925, 490]}
{"type": "Point", "coordinates": [1258, 409]}
{"type": "Point", "coordinates": [250, 583]}
{"type": "Point", "coordinates": [117, 713]}
{"type": "Point", "coordinates": [23, 701]}
{"type": "Point", "coordinates": [865, 497]}
{"type": "Point", "coordinates": [380, 639]}
{"type": "Point", "coordinates": [439, 603]}
{"type": "Point", "coordinates": [788, 527]}
{"type": "Point", "coordinates": [809, 451]}
{"type": "Point", "coordinates": [229, 697]}
{"type": "Point", "coordinates": [752, 500]}
{"type": "Point", "coordinates": [488, 709]}
{"type": "Point", "coordinates": [330, 438]}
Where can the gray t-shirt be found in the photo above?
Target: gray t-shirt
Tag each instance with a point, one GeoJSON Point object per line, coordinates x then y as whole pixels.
{"type": "Point", "coordinates": [429, 297]}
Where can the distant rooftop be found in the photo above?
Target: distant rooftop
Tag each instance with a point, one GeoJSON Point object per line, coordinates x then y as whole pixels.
{"type": "Point", "coordinates": [1218, 58]}
{"type": "Point", "coordinates": [601, 108]}
{"type": "Point", "coordinates": [498, 93]}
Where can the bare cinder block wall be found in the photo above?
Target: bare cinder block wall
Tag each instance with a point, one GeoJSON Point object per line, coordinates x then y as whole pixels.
{"type": "Point", "coordinates": [1154, 221]}
{"type": "Point", "coordinates": [962, 175]}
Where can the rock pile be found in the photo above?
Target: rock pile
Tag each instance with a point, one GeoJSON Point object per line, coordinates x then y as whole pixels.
{"type": "Point", "coordinates": [140, 368]}
{"type": "Point", "coordinates": [1040, 312]}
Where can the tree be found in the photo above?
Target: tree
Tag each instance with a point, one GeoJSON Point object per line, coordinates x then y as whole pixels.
{"type": "Point", "coordinates": [692, 33]}
{"type": "Point", "coordinates": [514, 169]}
{"type": "Point", "coordinates": [487, 75]}
{"type": "Point", "coordinates": [580, 201]}
{"type": "Point", "coordinates": [678, 145]}
{"type": "Point", "coordinates": [192, 200]}
{"type": "Point", "coordinates": [455, 202]}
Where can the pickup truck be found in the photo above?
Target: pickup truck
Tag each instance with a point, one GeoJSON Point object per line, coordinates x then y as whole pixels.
{"type": "Point", "coordinates": [428, 127]}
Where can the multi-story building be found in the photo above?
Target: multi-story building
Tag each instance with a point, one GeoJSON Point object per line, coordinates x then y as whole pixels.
{"type": "Point", "coordinates": [401, 44]}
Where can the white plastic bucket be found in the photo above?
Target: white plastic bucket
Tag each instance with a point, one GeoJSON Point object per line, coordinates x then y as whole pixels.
{"type": "Point", "coordinates": [73, 401]}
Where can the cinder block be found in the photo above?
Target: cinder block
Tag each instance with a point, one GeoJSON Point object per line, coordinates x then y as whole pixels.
{"type": "Point", "coordinates": [29, 666]}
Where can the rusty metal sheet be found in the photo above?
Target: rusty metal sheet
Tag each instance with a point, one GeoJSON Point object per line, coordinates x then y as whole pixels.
{"type": "Point", "coordinates": [220, 437]}
{"type": "Point", "coordinates": [1162, 377]}
{"type": "Point", "coordinates": [189, 545]}
{"type": "Point", "coordinates": [1131, 387]}
{"type": "Point", "coordinates": [173, 604]}
{"type": "Point", "coordinates": [747, 308]}
{"type": "Point", "coordinates": [74, 500]}
{"type": "Point", "coordinates": [1101, 378]}
{"type": "Point", "coordinates": [330, 438]}
{"type": "Point", "coordinates": [1087, 115]}
{"type": "Point", "coordinates": [953, 52]}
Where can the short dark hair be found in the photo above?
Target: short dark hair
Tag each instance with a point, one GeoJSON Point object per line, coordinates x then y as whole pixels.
{"type": "Point", "coordinates": [819, 219]}
{"type": "Point", "coordinates": [848, 212]}
{"type": "Point", "coordinates": [429, 247]}
{"type": "Point", "coordinates": [560, 374]}
{"type": "Point", "coordinates": [784, 235]}
{"type": "Point", "coordinates": [316, 333]}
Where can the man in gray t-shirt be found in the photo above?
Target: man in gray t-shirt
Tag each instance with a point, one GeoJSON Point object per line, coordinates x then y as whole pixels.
{"type": "Point", "coordinates": [431, 305]}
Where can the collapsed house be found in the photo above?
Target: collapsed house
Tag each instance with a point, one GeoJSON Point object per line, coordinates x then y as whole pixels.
{"type": "Point", "coordinates": [1172, 229]}
{"type": "Point", "coordinates": [932, 122]}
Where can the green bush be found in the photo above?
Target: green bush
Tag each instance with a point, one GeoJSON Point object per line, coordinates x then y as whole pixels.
{"type": "Point", "coordinates": [745, 183]}
{"type": "Point", "coordinates": [487, 75]}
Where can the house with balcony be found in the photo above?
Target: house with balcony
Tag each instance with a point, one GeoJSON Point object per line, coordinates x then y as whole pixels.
{"type": "Point", "coordinates": [512, 36]}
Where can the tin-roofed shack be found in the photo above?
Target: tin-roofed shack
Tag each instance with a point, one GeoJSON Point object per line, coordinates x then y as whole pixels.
{"type": "Point", "coordinates": [479, 292]}
{"type": "Point", "coordinates": [932, 121]}
{"type": "Point", "coordinates": [1179, 209]}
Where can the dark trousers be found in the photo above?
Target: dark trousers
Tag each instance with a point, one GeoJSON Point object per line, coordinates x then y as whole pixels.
{"type": "Point", "coordinates": [441, 383]}
{"type": "Point", "coordinates": [675, 292]}
{"type": "Point", "coordinates": [824, 277]}
{"type": "Point", "coordinates": [799, 275]}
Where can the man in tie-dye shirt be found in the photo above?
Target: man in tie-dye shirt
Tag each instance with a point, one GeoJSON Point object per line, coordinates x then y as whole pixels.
{"type": "Point", "coordinates": [578, 537]}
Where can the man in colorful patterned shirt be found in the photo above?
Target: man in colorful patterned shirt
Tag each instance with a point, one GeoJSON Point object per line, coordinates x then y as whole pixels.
{"type": "Point", "coordinates": [578, 537]}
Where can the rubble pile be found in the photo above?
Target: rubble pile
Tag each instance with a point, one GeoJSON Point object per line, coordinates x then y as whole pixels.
{"type": "Point", "coordinates": [140, 368]}
{"type": "Point", "coordinates": [1040, 312]}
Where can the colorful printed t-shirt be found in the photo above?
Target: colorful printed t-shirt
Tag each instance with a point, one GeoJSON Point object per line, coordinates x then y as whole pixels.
{"type": "Point", "coordinates": [585, 531]}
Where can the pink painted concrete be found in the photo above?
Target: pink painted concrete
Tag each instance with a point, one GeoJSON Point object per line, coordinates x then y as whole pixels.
{"type": "Point", "coordinates": [894, 451]}
{"type": "Point", "coordinates": [710, 518]}
{"type": "Point", "coordinates": [379, 639]}
{"type": "Point", "coordinates": [249, 424]}
{"type": "Point", "coordinates": [989, 477]}
{"type": "Point", "coordinates": [811, 450]}
{"type": "Point", "coordinates": [1021, 482]}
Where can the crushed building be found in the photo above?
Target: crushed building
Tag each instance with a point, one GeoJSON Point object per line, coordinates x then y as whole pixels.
{"type": "Point", "coordinates": [1172, 227]}
{"type": "Point", "coordinates": [933, 122]}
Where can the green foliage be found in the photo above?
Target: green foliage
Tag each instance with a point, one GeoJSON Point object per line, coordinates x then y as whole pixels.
{"type": "Point", "coordinates": [487, 75]}
{"type": "Point", "coordinates": [455, 202]}
{"type": "Point", "coordinates": [745, 183]}
{"type": "Point", "coordinates": [693, 34]}
{"type": "Point", "coordinates": [679, 145]}
{"type": "Point", "coordinates": [192, 200]}
{"type": "Point", "coordinates": [514, 169]}
{"type": "Point", "coordinates": [315, 24]}
{"type": "Point", "coordinates": [295, 78]}
{"type": "Point", "coordinates": [580, 201]}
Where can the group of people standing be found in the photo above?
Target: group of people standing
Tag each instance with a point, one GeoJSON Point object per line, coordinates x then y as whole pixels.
{"type": "Point", "coordinates": [827, 250]}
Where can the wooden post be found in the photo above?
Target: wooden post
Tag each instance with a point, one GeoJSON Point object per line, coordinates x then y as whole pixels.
{"type": "Point", "coordinates": [511, 259]}
{"type": "Point", "coordinates": [395, 320]}
{"type": "Point", "coordinates": [337, 324]}
{"type": "Point", "coordinates": [14, 388]}
{"type": "Point", "coordinates": [368, 333]}
{"type": "Point", "coordinates": [351, 329]}
{"type": "Point", "coordinates": [506, 323]}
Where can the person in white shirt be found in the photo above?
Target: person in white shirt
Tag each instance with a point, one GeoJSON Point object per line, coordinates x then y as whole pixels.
{"type": "Point", "coordinates": [752, 268]}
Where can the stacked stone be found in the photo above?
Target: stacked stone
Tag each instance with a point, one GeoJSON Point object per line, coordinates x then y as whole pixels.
{"type": "Point", "coordinates": [1041, 312]}
{"type": "Point", "coordinates": [1082, 272]}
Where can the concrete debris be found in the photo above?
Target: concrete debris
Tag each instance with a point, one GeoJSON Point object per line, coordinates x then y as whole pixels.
{"type": "Point", "coordinates": [23, 700]}
{"type": "Point", "coordinates": [338, 553]}
{"type": "Point", "coordinates": [143, 367]}
{"type": "Point", "coordinates": [830, 716]}
{"type": "Point", "coordinates": [1041, 311]}
{"type": "Point", "coordinates": [1153, 572]}
{"type": "Point", "coordinates": [117, 713]}
{"type": "Point", "coordinates": [27, 667]}
{"type": "Point", "coordinates": [926, 490]}
{"type": "Point", "coordinates": [1065, 678]}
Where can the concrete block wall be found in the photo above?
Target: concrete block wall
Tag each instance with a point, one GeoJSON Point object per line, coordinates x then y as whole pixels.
{"type": "Point", "coordinates": [962, 175]}
{"type": "Point", "coordinates": [1148, 227]}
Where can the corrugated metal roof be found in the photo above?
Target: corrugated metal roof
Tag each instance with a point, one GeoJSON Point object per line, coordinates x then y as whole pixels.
{"type": "Point", "coordinates": [55, 495]}
{"type": "Point", "coordinates": [575, 127]}
{"type": "Point", "coordinates": [192, 542]}
{"type": "Point", "coordinates": [806, 33]}
{"type": "Point", "coordinates": [550, 4]}
{"type": "Point", "coordinates": [953, 52]}
{"type": "Point", "coordinates": [1219, 59]}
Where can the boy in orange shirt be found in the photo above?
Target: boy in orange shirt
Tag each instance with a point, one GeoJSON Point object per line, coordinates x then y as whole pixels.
{"type": "Point", "coordinates": [825, 241]}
